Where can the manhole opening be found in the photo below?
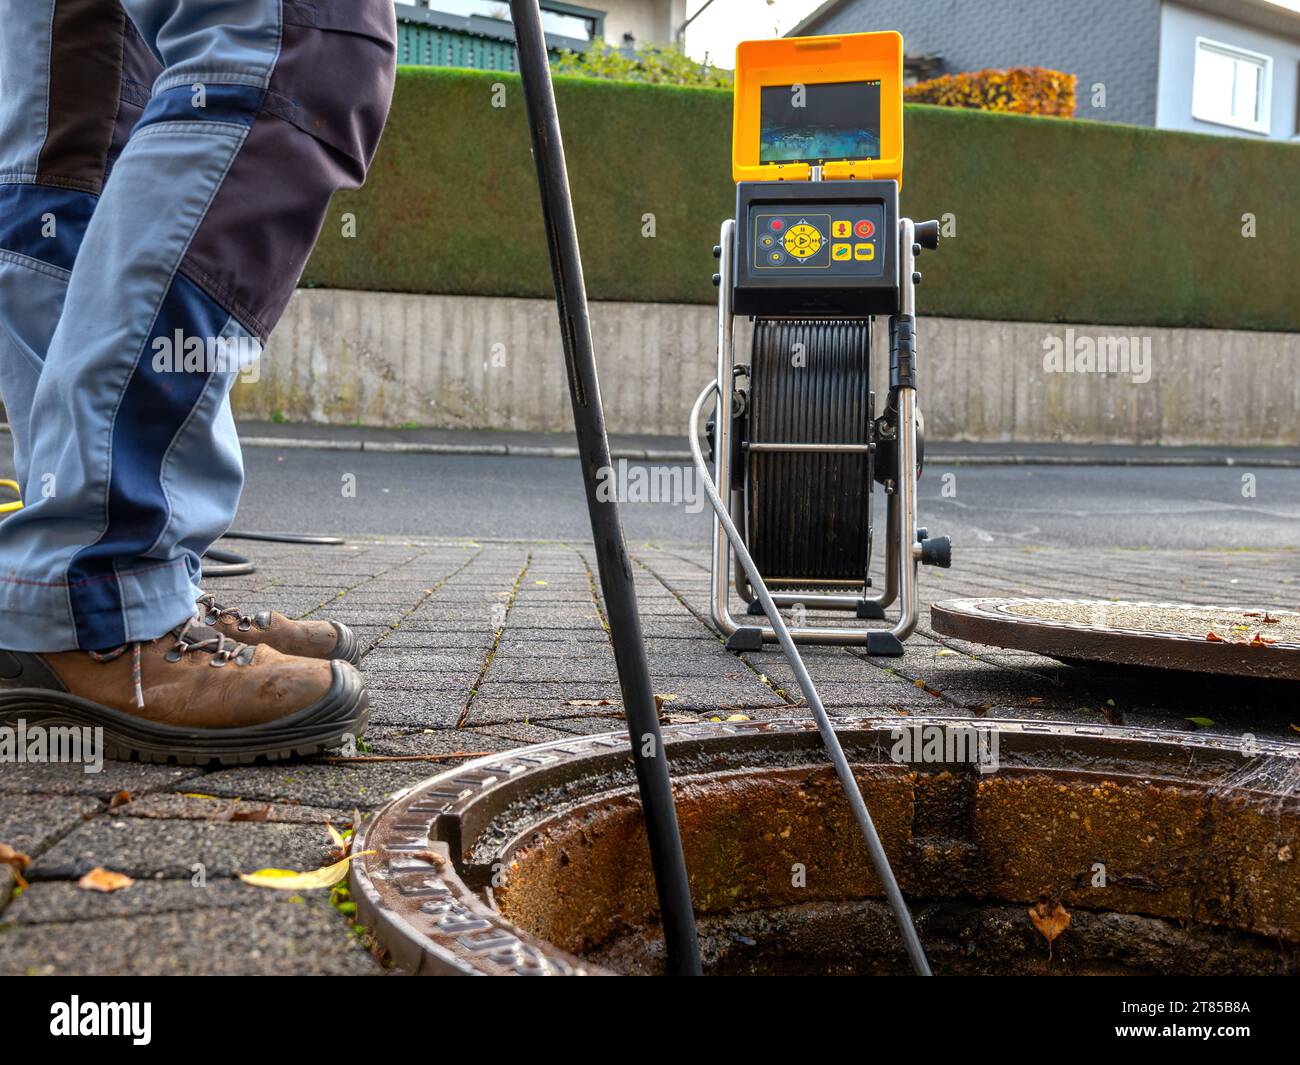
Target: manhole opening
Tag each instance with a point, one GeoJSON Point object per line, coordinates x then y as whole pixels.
{"type": "Point", "coordinates": [1115, 853]}
{"type": "Point", "coordinates": [1151, 876]}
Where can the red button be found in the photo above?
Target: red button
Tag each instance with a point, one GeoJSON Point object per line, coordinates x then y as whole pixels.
{"type": "Point", "coordinates": [777, 225]}
{"type": "Point", "coordinates": [864, 228]}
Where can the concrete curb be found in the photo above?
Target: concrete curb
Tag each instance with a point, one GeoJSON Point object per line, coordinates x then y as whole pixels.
{"type": "Point", "coordinates": [658, 455]}
{"type": "Point", "coordinates": [938, 458]}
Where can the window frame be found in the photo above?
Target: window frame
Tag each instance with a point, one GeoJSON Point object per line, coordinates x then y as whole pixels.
{"type": "Point", "coordinates": [1263, 124]}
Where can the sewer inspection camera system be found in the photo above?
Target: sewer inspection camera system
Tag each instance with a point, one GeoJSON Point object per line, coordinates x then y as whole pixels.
{"type": "Point", "coordinates": [816, 251]}
{"type": "Point", "coordinates": [863, 76]}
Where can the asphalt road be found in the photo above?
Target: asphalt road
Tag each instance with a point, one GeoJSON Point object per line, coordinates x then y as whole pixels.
{"type": "Point", "coordinates": [535, 498]}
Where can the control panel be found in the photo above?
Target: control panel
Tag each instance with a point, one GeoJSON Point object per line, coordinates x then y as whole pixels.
{"type": "Point", "coordinates": [816, 248]}
{"type": "Point", "coordinates": [835, 240]}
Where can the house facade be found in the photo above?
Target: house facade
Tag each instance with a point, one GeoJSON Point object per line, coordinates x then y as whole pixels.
{"type": "Point", "coordinates": [1210, 66]}
{"type": "Point", "coordinates": [477, 33]}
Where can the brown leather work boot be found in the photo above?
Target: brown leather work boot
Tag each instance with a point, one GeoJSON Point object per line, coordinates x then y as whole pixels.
{"type": "Point", "coordinates": [193, 696]}
{"type": "Point", "coordinates": [308, 639]}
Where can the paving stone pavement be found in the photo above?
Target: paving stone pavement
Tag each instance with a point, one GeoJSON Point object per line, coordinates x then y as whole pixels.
{"type": "Point", "coordinates": [477, 647]}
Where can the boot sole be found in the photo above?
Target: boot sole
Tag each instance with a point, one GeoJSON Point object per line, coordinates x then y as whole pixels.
{"type": "Point", "coordinates": [325, 725]}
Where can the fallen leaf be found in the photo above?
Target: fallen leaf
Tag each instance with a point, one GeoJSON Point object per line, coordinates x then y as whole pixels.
{"type": "Point", "coordinates": [120, 799]}
{"type": "Point", "coordinates": [101, 879]}
{"type": "Point", "coordinates": [253, 813]}
{"type": "Point", "coordinates": [946, 653]}
{"type": "Point", "coordinates": [337, 838]}
{"type": "Point", "coordinates": [238, 812]}
{"type": "Point", "coordinates": [17, 861]}
{"type": "Point", "coordinates": [288, 880]}
{"type": "Point", "coordinates": [1260, 641]}
{"type": "Point", "coordinates": [1213, 638]}
{"type": "Point", "coordinates": [1201, 722]}
{"type": "Point", "coordinates": [737, 717]}
{"type": "Point", "coordinates": [1034, 700]}
{"type": "Point", "coordinates": [587, 702]}
{"type": "Point", "coordinates": [9, 856]}
{"type": "Point", "coordinates": [1050, 918]}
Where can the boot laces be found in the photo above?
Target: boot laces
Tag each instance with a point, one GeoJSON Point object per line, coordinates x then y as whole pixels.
{"type": "Point", "coordinates": [215, 612]}
{"type": "Point", "coordinates": [207, 641]}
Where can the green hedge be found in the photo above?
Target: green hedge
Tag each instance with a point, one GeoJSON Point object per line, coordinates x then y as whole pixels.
{"type": "Point", "coordinates": [1057, 220]}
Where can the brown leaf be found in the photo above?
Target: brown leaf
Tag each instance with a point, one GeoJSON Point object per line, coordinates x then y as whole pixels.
{"type": "Point", "coordinates": [1261, 641]}
{"type": "Point", "coordinates": [238, 812]}
{"type": "Point", "coordinates": [120, 799]}
{"type": "Point", "coordinates": [1214, 638]}
{"type": "Point", "coordinates": [1050, 918]}
{"type": "Point", "coordinates": [587, 702]}
{"type": "Point", "coordinates": [101, 879]}
{"type": "Point", "coordinates": [16, 860]}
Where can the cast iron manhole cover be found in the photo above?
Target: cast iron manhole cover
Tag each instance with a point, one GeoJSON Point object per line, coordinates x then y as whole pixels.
{"type": "Point", "coordinates": [1236, 641]}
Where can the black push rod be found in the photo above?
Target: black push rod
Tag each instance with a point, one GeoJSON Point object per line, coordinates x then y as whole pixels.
{"type": "Point", "coordinates": [615, 568]}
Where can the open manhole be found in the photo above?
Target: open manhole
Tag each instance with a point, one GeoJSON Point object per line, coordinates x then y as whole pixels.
{"type": "Point", "coordinates": [1233, 641]}
{"type": "Point", "coordinates": [1137, 851]}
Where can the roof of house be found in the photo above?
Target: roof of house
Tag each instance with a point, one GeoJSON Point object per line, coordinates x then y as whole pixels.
{"type": "Point", "coordinates": [1258, 13]}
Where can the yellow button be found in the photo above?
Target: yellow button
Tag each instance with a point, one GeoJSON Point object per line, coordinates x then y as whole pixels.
{"type": "Point", "coordinates": [842, 252]}
{"type": "Point", "coordinates": [841, 229]}
{"type": "Point", "coordinates": [864, 251]}
{"type": "Point", "coordinates": [803, 240]}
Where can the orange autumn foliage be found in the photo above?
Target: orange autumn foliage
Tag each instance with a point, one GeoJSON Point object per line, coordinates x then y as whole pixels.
{"type": "Point", "coordinates": [1020, 90]}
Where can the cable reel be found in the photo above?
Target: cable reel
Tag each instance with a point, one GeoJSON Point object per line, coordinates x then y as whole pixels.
{"type": "Point", "coordinates": [808, 446]}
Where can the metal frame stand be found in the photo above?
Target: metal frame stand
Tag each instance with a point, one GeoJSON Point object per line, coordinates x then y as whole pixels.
{"type": "Point", "coordinates": [903, 551]}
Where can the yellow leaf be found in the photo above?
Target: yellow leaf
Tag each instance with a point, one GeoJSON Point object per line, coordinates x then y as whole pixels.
{"type": "Point", "coordinates": [288, 880]}
{"type": "Point", "coordinates": [336, 837]}
{"type": "Point", "coordinates": [101, 879]}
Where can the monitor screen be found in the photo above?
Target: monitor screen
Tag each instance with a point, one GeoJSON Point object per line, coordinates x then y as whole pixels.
{"type": "Point", "coordinates": [820, 122]}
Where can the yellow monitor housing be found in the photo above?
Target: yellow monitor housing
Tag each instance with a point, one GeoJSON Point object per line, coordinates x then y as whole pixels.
{"type": "Point", "coordinates": [802, 102]}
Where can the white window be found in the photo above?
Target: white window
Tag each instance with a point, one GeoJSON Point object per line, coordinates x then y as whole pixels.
{"type": "Point", "coordinates": [1231, 87]}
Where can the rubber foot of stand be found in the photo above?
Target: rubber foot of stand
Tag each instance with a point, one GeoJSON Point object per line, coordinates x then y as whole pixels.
{"type": "Point", "coordinates": [755, 609]}
{"type": "Point", "coordinates": [746, 638]}
{"type": "Point", "coordinates": [885, 644]}
{"type": "Point", "coordinates": [870, 611]}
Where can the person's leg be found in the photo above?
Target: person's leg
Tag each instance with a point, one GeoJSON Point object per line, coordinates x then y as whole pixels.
{"type": "Point", "coordinates": [73, 80]}
{"type": "Point", "coordinates": [263, 109]}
